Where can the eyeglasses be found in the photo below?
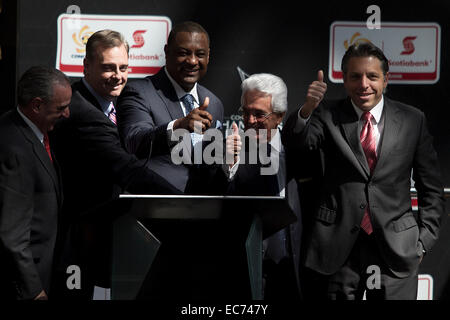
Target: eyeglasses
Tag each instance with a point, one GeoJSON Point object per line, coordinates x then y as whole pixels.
{"type": "Point", "coordinates": [258, 115]}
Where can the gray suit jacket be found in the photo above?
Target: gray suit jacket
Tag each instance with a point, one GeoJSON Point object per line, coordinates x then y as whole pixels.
{"type": "Point", "coordinates": [144, 109]}
{"type": "Point", "coordinates": [30, 198]}
{"type": "Point", "coordinates": [406, 146]}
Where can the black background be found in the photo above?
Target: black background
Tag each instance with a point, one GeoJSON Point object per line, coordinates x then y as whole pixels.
{"type": "Point", "coordinates": [286, 38]}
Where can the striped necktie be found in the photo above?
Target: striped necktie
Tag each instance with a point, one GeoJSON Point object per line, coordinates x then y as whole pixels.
{"type": "Point", "coordinates": [112, 113]}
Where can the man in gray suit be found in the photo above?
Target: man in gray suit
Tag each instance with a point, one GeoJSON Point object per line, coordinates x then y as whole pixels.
{"type": "Point", "coordinates": [150, 110]}
{"type": "Point", "coordinates": [364, 236]}
{"type": "Point", "coordinates": [30, 184]}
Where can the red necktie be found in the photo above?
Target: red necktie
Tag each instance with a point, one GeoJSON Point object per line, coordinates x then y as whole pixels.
{"type": "Point", "coordinates": [47, 147]}
{"type": "Point", "coordinates": [368, 144]}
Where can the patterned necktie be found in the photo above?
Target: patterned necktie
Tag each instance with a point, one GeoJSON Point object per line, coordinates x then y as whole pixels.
{"type": "Point", "coordinates": [112, 114]}
{"type": "Point", "coordinates": [368, 144]}
{"type": "Point", "coordinates": [188, 101]}
{"type": "Point", "coordinates": [47, 147]}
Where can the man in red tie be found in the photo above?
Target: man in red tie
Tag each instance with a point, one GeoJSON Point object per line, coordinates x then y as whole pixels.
{"type": "Point", "coordinates": [364, 236]}
{"type": "Point", "coordinates": [30, 185]}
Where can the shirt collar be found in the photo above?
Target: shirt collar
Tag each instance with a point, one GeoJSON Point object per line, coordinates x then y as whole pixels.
{"type": "Point", "coordinates": [375, 111]}
{"type": "Point", "coordinates": [180, 91]}
{"type": "Point", "coordinates": [104, 103]}
{"type": "Point", "coordinates": [33, 127]}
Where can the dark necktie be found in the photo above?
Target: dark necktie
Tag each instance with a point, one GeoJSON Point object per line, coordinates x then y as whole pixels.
{"type": "Point", "coordinates": [188, 101]}
{"type": "Point", "coordinates": [112, 114]}
{"type": "Point", "coordinates": [276, 246]}
{"type": "Point", "coordinates": [47, 147]}
{"type": "Point", "coordinates": [368, 144]}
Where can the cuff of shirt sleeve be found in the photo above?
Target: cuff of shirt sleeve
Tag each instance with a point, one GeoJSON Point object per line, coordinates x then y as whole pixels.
{"type": "Point", "coordinates": [170, 142]}
{"type": "Point", "coordinates": [230, 172]}
{"type": "Point", "coordinates": [301, 122]}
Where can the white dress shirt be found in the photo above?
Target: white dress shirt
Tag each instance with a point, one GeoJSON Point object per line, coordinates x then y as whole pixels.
{"type": "Point", "coordinates": [377, 121]}
{"type": "Point", "coordinates": [180, 94]}
{"type": "Point", "coordinates": [105, 104]}
{"type": "Point", "coordinates": [33, 127]}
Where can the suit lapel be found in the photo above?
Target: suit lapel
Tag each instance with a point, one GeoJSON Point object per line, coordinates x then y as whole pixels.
{"type": "Point", "coordinates": [39, 151]}
{"type": "Point", "coordinates": [349, 122]}
{"type": "Point", "coordinates": [392, 124]}
{"type": "Point", "coordinates": [167, 94]}
{"type": "Point", "coordinates": [201, 97]}
{"type": "Point", "coordinates": [84, 91]}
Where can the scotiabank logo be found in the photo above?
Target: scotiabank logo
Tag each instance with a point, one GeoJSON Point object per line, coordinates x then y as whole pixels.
{"type": "Point", "coordinates": [408, 45]}
{"type": "Point", "coordinates": [138, 38]}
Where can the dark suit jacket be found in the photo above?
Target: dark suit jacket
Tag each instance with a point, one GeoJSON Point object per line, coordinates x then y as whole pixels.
{"type": "Point", "coordinates": [95, 168]}
{"type": "Point", "coordinates": [248, 181]}
{"type": "Point", "coordinates": [30, 198]}
{"type": "Point", "coordinates": [94, 165]}
{"type": "Point", "coordinates": [348, 186]}
{"type": "Point", "coordinates": [145, 108]}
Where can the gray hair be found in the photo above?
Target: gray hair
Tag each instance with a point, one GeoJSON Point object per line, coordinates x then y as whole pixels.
{"type": "Point", "coordinates": [269, 84]}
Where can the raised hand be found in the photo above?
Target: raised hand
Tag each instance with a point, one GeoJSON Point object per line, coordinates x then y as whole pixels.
{"type": "Point", "coordinates": [196, 116]}
{"type": "Point", "coordinates": [314, 95]}
{"type": "Point", "coordinates": [234, 144]}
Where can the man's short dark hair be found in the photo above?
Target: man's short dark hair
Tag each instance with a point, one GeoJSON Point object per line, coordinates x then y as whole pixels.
{"type": "Point", "coordinates": [187, 26]}
{"type": "Point", "coordinates": [38, 81]}
{"type": "Point", "coordinates": [364, 49]}
{"type": "Point", "coordinates": [105, 39]}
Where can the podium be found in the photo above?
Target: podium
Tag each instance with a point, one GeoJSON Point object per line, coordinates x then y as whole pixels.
{"type": "Point", "coordinates": [193, 247]}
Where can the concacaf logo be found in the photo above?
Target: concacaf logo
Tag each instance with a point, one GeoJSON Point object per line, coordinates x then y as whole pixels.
{"type": "Point", "coordinates": [353, 40]}
{"type": "Point", "coordinates": [81, 38]}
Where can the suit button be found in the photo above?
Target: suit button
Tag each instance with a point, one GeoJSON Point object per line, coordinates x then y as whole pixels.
{"type": "Point", "coordinates": [354, 229]}
{"type": "Point", "coordinates": [362, 206]}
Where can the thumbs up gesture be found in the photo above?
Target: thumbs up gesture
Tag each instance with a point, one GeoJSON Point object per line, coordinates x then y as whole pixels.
{"type": "Point", "coordinates": [234, 144]}
{"type": "Point", "coordinates": [314, 95]}
{"type": "Point", "coordinates": [199, 117]}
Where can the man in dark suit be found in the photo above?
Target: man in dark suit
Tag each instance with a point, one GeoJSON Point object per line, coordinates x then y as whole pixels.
{"type": "Point", "coordinates": [30, 186]}
{"type": "Point", "coordinates": [264, 104]}
{"type": "Point", "coordinates": [95, 167]}
{"type": "Point", "coordinates": [157, 107]}
{"type": "Point", "coordinates": [364, 236]}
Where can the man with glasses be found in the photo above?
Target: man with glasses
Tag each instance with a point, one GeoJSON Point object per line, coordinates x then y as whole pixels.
{"type": "Point", "coordinates": [264, 104]}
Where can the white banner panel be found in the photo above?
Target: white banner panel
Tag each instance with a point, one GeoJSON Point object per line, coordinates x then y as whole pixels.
{"type": "Point", "coordinates": [425, 287]}
{"type": "Point", "coordinates": [413, 49]}
{"type": "Point", "coordinates": [146, 36]}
